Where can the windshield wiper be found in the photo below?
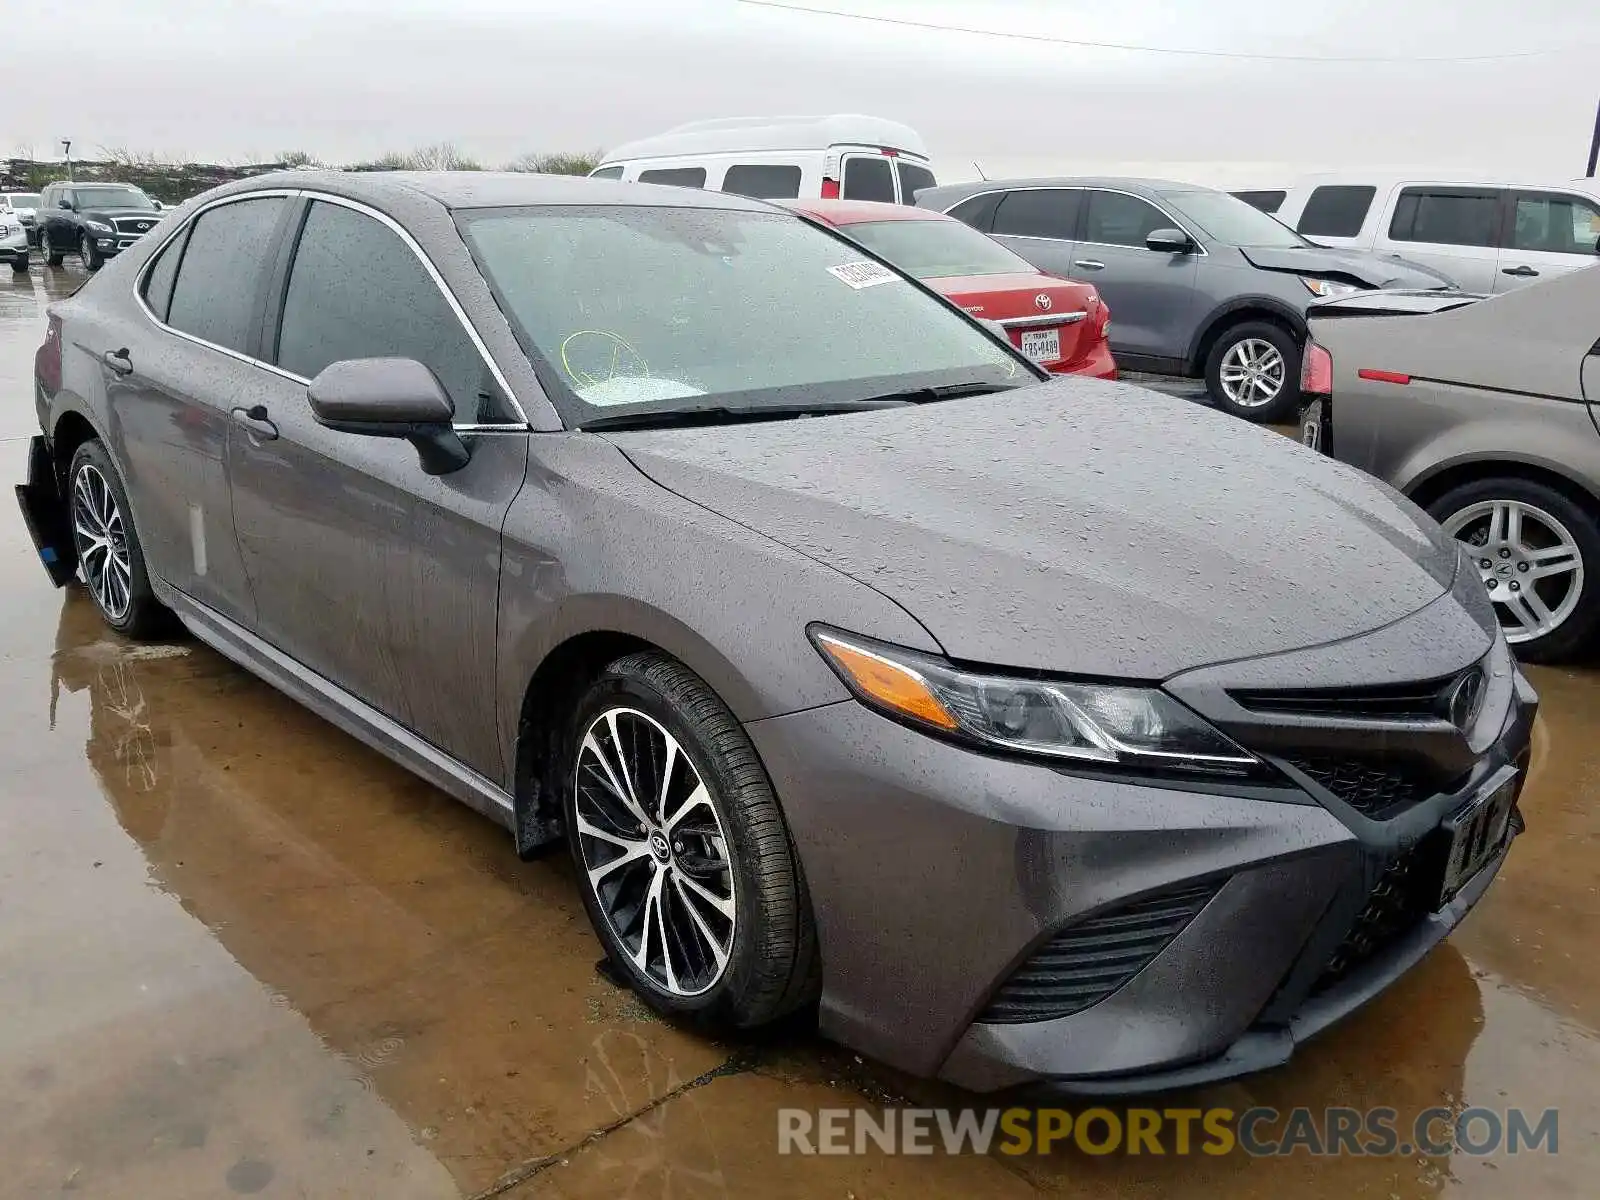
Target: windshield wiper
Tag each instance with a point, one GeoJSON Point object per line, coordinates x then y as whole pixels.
{"type": "Point", "coordinates": [716, 414]}
{"type": "Point", "coordinates": [949, 391]}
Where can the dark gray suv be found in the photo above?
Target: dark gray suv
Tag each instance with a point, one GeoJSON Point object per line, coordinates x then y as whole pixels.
{"type": "Point", "coordinates": [1198, 282]}
{"type": "Point", "coordinates": [853, 661]}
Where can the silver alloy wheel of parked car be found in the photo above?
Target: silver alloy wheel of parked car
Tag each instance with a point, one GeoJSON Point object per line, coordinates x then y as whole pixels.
{"type": "Point", "coordinates": [1252, 373]}
{"type": "Point", "coordinates": [655, 852]}
{"type": "Point", "coordinates": [101, 538]}
{"type": "Point", "coordinates": [1530, 562]}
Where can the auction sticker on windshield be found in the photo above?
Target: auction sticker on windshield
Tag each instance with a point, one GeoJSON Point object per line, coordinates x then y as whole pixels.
{"type": "Point", "coordinates": [863, 274]}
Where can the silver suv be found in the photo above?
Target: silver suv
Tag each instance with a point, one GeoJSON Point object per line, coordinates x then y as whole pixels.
{"type": "Point", "coordinates": [1199, 283]}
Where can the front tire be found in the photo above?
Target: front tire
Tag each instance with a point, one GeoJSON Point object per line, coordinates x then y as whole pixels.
{"type": "Point", "coordinates": [93, 260]}
{"type": "Point", "coordinates": [110, 557]}
{"type": "Point", "coordinates": [51, 255]}
{"type": "Point", "coordinates": [1538, 552]}
{"type": "Point", "coordinates": [684, 860]}
{"type": "Point", "coordinates": [1253, 372]}
{"type": "Point", "coordinates": [20, 264]}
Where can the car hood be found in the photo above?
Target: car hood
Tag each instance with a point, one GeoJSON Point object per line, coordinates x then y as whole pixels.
{"type": "Point", "coordinates": [120, 214]}
{"type": "Point", "coordinates": [1074, 526]}
{"type": "Point", "coordinates": [1374, 270]}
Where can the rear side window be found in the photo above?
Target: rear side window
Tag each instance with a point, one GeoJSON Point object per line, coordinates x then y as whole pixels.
{"type": "Point", "coordinates": [356, 290]}
{"type": "Point", "coordinates": [912, 180]}
{"type": "Point", "coordinates": [1040, 213]}
{"type": "Point", "coordinates": [606, 173]}
{"type": "Point", "coordinates": [1115, 219]}
{"type": "Point", "coordinates": [868, 179]}
{"type": "Point", "coordinates": [1447, 217]}
{"type": "Point", "coordinates": [1336, 210]}
{"type": "Point", "coordinates": [158, 283]}
{"type": "Point", "coordinates": [689, 177]}
{"type": "Point", "coordinates": [219, 278]}
{"type": "Point", "coordinates": [769, 181]}
{"type": "Point", "coordinates": [978, 211]}
{"type": "Point", "coordinates": [1267, 202]}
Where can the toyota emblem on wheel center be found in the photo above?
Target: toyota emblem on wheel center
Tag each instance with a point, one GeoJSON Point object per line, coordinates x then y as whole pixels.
{"type": "Point", "coordinates": [1042, 302]}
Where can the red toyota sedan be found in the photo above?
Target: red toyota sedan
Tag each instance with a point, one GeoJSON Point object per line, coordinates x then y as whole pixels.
{"type": "Point", "coordinates": [1059, 323]}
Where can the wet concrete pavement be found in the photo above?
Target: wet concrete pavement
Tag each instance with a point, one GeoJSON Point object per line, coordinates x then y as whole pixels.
{"type": "Point", "coordinates": [240, 954]}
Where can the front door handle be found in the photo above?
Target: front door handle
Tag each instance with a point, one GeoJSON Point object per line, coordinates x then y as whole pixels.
{"type": "Point", "coordinates": [1520, 272]}
{"type": "Point", "coordinates": [118, 361]}
{"type": "Point", "coordinates": [255, 420]}
{"type": "Point", "coordinates": [1089, 264]}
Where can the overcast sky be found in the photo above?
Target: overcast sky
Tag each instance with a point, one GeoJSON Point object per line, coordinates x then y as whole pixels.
{"type": "Point", "coordinates": [346, 79]}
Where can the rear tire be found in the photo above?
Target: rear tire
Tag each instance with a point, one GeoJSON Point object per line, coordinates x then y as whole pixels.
{"type": "Point", "coordinates": [735, 944]}
{"type": "Point", "coordinates": [1253, 372]}
{"type": "Point", "coordinates": [1543, 551]}
{"type": "Point", "coordinates": [110, 557]}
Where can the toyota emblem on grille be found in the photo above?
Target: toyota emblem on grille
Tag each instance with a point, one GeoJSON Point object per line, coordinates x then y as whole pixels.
{"type": "Point", "coordinates": [1464, 699]}
{"type": "Point", "coordinates": [1042, 302]}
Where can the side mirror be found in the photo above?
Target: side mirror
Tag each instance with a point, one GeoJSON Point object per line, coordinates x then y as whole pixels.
{"type": "Point", "coordinates": [1169, 241]}
{"type": "Point", "coordinates": [392, 398]}
{"type": "Point", "coordinates": [64, 203]}
{"type": "Point", "coordinates": [158, 204]}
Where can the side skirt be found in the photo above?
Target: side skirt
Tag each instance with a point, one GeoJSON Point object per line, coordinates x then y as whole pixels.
{"type": "Point", "coordinates": [331, 702]}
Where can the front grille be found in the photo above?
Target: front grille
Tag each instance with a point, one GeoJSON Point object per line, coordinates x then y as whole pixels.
{"type": "Point", "coordinates": [133, 224]}
{"type": "Point", "coordinates": [1086, 962]}
{"type": "Point", "coordinates": [1399, 701]}
{"type": "Point", "coordinates": [1373, 790]}
{"type": "Point", "coordinates": [1403, 896]}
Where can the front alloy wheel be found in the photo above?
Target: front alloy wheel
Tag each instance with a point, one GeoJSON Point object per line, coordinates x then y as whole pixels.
{"type": "Point", "coordinates": [1252, 373]}
{"type": "Point", "coordinates": [654, 852]}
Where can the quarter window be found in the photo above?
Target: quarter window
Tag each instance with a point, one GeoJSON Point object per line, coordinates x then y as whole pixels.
{"type": "Point", "coordinates": [689, 177]}
{"type": "Point", "coordinates": [1336, 210]}
{"type": "Point", "coordinates": [769, 181]}
{"type": "Point", "coordinates": [1556, 225]}
{"type": "Point", "coordinates": [868, 179]}
{"type": "Point", "coordinates": [158, 283]}
{"type": "Point", "coordinates": [978, 211]}
{"type": "Point", "coordinates": [1118, 220]}
{"type": "Point", "coordinates": [356, 290]}
{"type": "Point", "coordinates": [214, 295]}
{"type": "Point", "coordinates": [1446, 217]}
{"type": "Point", "coordinates": [606, 173]}
{"type": "Point", "coordinates": [1040, 213]}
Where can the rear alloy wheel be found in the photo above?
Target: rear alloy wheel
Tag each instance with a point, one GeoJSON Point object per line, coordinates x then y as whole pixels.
{"type": "Point", "coordinates": [1539, 556]}
{"type": "Point", "coordinates": [92, 259]}
{"type": "Point", "coordinates": [1254, 372]}
{"type": "Point", "coordinates": [109, 555]}
{"type": "Point", "coordinates": [686, 867]}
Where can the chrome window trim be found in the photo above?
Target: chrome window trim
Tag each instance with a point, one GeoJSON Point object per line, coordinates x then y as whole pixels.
{"type": "Point", "coordinates": [1066, 318]}
{"type": "Point", "coordinates": [522, 426]}
{"type": "Point", "coordinates": [1078, 187]}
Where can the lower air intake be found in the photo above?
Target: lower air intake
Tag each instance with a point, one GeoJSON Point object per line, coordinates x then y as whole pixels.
{"type": "Point", "coordinates": [1086, 962]}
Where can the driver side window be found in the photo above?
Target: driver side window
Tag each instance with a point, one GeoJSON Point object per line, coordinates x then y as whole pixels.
{"type": "Point", "coordinates": [1115, 219]}
{"type": "Point", "coordinates": [356, 290]}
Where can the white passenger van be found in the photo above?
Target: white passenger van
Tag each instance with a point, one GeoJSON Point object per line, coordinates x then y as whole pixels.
{"type": "Point", "coordinates": [782, 158]}
{"type": "Point", "coordinates": [1488, 235]}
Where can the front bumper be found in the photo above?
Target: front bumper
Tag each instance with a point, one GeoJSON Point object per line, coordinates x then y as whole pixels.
{"type": "Point", "coordinates": [937, 873]}
{"type": "Point", "coordinates": [13, 246]}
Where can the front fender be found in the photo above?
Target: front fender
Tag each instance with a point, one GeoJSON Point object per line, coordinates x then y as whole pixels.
{"type": "Point", "coordinates": [1234, 309]}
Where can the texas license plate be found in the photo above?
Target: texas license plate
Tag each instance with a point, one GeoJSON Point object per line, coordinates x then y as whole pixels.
{"type": "Point", "coordinates": [1477, 833]}
{"type": "Point", "coordinates": [1311, 425]}
{"type": "Point", "coordinates": [1042, 345]}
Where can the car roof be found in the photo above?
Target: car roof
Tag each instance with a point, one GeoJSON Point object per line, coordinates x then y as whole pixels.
{"type": "Point", "coordinates": [767, 134]}
{"type": "Point", "coordinates": [490, 189]}
{"type": "Point", "coordinates": [1388, 178]}
{"type": "Point", "coordinates": [854, 212]}
{"type": "Point", "coordinates": [952, 194]}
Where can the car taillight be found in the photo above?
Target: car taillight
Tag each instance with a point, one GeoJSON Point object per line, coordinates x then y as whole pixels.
{"type": "Point", "coordinates": [1105, 322]}
{"type": "Point", "coordinates": [1316, 371]}
{"type": "Point", "coordinates": [47, 360]}
{"type": "Point", "coordinates": [830, 189]}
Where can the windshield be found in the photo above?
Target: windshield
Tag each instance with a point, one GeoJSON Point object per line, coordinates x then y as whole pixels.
{"type": "Point", "coordinates": [1229, 219]}
{"type": "Point", "coordinates": [655, 309]}
{"type": "Point", "coordinates": [936, 249]}
{"type": "Point", "coordinates": [23, 200]}
{"type": "Point", "coordinates": [112, 197]}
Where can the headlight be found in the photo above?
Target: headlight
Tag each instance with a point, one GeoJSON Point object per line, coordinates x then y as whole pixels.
{"type": "Point", "coordinates": [1327, 287]}
{"type": "Point", "coordinates": [98, 226]}
{"type": "Point", "coordinates": [1093, 723]}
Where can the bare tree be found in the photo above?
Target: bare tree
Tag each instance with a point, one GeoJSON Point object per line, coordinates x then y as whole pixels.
{"type": "Point", "coordinates": [559, 163]}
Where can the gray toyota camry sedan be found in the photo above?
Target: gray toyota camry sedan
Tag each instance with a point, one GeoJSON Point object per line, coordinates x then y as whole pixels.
{"type": "Point", "coordinates": [1036, 732]}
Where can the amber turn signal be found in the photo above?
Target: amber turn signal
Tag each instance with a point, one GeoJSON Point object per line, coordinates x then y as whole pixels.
{"type": "Point", "coordinates": [888, 684]}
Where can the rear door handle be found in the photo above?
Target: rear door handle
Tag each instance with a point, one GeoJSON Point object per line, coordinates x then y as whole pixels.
{"type": "Point", "coordinates": [1521, 272]}
{"type": "Point", "coordinates": [1089, 264]}
{"type": "Point", "coordinates": [118, 361]}
{"type": "Point", "coordinates": [255, 420]}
